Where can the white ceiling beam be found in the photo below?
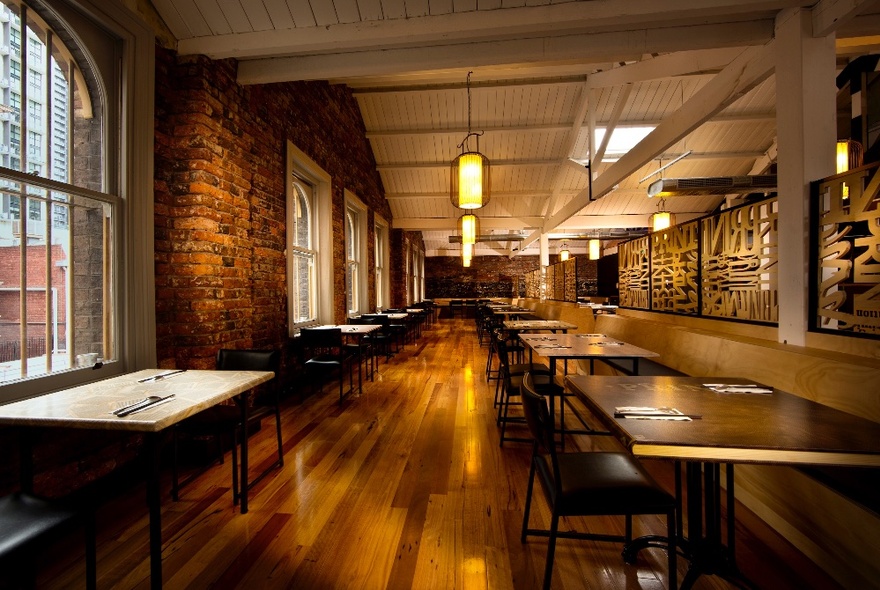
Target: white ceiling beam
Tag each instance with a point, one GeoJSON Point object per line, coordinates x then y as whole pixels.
{"type": "Point", "coordinates": [762, 163]}
{"type": "Point", "coordinates": [510, 224]}
{"type": "Point", "coordinates": [622, 99]}
{"type": "Point", "coordinates": [449, 223]}
{"type": "Point", "coordinates": [744, 73]}
{"type": "Point", "coordinates": [504, 163]}
{"type": "Point", "coordinates": [383, 133]}
{"type": "Point", "coordinates": [568, 150]}
{"type": "Point", "coordinates": [480, 24]}
{"type": "Point", "coordinates": [829, 15]}
{"type": "Point", "coordinates": [558, 48]}
{"type": "Point", "coordinates": [680, 63]}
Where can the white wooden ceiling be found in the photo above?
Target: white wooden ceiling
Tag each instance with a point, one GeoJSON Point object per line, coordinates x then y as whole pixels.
{"type": "Point", "coordinates": [544, 73]}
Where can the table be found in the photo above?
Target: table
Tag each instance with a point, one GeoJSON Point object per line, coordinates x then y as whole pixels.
{"type": "Point", "coordinates": [536, 325]}
{"type": "Point", "coordinates": [579, 347]}
{"type": "Point", "coordinates": [583, 346]}
{"type": "Point", "coordinates": [732, 428]}
{"type": "Point", "coordinates": [89, 407]}
{"type": "Point", "coordinates": [358, 331]}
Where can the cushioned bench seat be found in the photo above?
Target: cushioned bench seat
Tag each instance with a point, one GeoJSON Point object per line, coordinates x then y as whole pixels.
{"type": "Point", "coordinates": [647, 367]}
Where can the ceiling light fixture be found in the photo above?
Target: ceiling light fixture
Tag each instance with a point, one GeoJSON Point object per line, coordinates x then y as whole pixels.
{"type": "Point", "coordinates": [849, 155]}
{"type": "Point", "coordinates": [467, 253]}
{"type": "Point", "coordinates": [469, 225]}
{"type": "Point", "coordinates": [595, 247]}
{"type": "Point", "coordinates": [469, 181]}
{"type": "Point", "coordinates": [564, 254]}
{"type": "Point", "coordinates": [662, 219]}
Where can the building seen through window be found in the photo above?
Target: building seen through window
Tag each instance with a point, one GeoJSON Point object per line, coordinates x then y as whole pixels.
{"type": "Point", "coordinates": [57, 258]}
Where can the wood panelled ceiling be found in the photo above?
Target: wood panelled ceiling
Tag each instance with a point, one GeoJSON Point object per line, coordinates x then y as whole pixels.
{"type": "Point", "coordinates": [545, 72]}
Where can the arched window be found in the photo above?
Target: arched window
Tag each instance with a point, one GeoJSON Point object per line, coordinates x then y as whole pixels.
{"type": "Point", "coordinates": [302, 253]}
{"type": "Point", "coordinates": [68, 156]}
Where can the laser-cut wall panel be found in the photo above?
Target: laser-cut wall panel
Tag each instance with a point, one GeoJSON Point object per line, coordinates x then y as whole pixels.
{"type": "Point", "coordinates": [569, 286]}
{"type": "Point", "coordinates": [533, 284]}
{"type": "Point", "coordinates": [674, 265]}
{"type": "Point", "coordinates": [634, 275]}
{"type": "Point", "coordinates": [846, 256]}
{"type": "Point", "coordinates": [738, 274]}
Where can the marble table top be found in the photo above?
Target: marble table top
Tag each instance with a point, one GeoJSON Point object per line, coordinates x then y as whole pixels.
{"type": "Point", "coordinates": [90, 406]}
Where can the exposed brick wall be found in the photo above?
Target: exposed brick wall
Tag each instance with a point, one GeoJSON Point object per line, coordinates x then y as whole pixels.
{"type": "Point", "coordinates": [220, 201]}
{"type": "Point", "coordinates": [488, 276]}
{"type": "Point", "coordinates": [495, 276]}
{"type": "Point", "coordinates": [400, 273]}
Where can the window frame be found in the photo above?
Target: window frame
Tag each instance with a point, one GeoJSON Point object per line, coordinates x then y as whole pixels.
{"type": "Point", "coordinates": [357, 211]}
{"type": "Point", "coordinates": [299, 164]}
{"type": "Point", "coordinates": [381, 262]}
{"type": "Point", "coordinates": [128, 71]}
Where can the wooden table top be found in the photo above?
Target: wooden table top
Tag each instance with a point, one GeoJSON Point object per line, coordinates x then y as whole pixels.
{"type": "Point", "coordinates": [89, 406]}
{"type": "Point", "coordinates": [776, 428]}
{"type": "Point", "coordinates": [538, 325]}
{"type": "Point", "coordinates": [575, 346]}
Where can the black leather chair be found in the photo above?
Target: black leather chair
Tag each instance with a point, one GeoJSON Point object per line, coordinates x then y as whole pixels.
{"type": "Point", "coordinates": [590, 484]}
{"type": "Point", "coordinates": [324, 353]}
{"type": "Point", "coordinates": [509, 386]}
{"type": "Point", "coordinates": [381, 339]}
{"type": "Point", "coordinates": [225, 420]}
{"type": "Point", "coordinates": [26, 523]}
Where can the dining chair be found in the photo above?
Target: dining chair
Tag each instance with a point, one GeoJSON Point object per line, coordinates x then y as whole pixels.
{"type": "Point", "coordinates": [590, 484]}
{"type": "Point", "coordinates": [324, 353]}
{"type": "Point", "coordinates": [26, 524]}
{"type": "Point", "coordinates": [509, 386]}
{"type": "Point", "coordinates": [224, 420]}
{"type": "Point", "coordinates": [381, 338]}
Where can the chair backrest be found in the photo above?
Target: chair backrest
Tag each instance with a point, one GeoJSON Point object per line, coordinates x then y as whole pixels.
{"type": "Point", "coordinates": [229, 359]}
{"type": "Point", "coordinates": [376, 319]}
{"type": "Point", "coordinates": [501, 348]}
{"type": "Point", "coordinates": [538, 419]}
{"type": "Point", "coordinates": [321, 338]}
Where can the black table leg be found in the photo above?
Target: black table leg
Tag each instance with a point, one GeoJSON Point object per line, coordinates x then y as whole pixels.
{"type": "Point", "coordinates": [155, 508]}
{"type": "Point", "coordinates": [243, 404]}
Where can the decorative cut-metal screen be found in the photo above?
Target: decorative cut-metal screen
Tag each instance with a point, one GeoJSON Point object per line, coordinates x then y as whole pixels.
{"type": "Point", "coordinates": [533, 284]}
{"type": "Point", "coordinates": [560, 281]}
{"type": "Point", "coordinates": [674, 261]}
{"type": "Point", "coordinates": [634, 277]}
{"type": "Point", "coordinates": [721, 266]}
{"type": "Point", "coordinates": [738, 275]}
{"type": "Point", "coordinates": [846, 253]}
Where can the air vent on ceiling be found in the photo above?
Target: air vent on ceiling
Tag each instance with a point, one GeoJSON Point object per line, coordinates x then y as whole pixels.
{"type": "Point", "coordinates": [713, 185]}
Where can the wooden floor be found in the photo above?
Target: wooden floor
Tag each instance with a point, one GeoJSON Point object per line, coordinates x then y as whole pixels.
{"type": "Point", "coordinates": [405, 486]}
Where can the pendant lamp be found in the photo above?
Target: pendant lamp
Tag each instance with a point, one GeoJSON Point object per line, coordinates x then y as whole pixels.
{"type": "Point", "coordinates": [470, 186]}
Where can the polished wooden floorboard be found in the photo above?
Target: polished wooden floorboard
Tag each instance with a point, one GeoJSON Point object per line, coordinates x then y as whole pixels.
{"type": "Point", "coordinates": [404, 486]}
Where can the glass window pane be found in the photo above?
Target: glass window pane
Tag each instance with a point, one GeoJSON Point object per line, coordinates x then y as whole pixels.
{"type": "Point", "coordinates": [49, 268]}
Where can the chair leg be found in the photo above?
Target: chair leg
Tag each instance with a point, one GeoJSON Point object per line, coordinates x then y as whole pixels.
{"type": "Point", "coordinates": [278, 435]}
{"type": "Point", "coordinates": [671, 550]}
{"type": "Point", "coordinates": [528, 508]}
{"type": "Point", "coordinates": [91, 550]}
{"type": "Point", "coordinates": [551, 550]}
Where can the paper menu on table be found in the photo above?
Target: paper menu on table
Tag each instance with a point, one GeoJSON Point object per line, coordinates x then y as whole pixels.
{"type": "Point", "coordinates": [650, 413]}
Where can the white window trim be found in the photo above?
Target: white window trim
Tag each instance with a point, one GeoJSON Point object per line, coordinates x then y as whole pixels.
{"type": "Point", "coordinates": [354, 203]}
{"type": "Point", "coordinates": [134, 265]}
{"type": "Point", "coordinates": [322, 231]}
{"type": "Point", "coordinates": [381, 225]}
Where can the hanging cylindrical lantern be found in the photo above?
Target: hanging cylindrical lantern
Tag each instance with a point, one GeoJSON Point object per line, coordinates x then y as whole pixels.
{"type": "Point", "coordinates": [595, 247]}
{"type": "Point", "coordinates": [469, 225]}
